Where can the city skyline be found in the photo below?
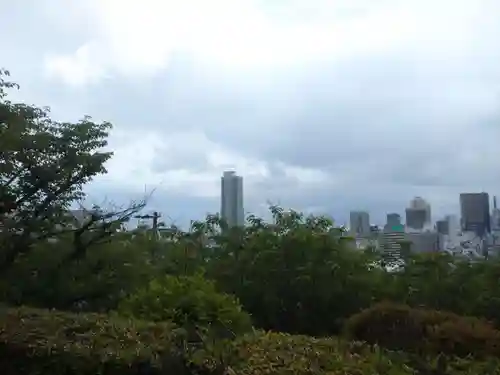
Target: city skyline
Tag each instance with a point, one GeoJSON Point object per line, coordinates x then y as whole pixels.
{"type": "Point", "coordinates": [475, 213]}
{"type": "Point", "coordinates": [475, 234]}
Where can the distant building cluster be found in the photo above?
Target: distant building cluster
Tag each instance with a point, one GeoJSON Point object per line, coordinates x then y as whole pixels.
{"type": "Point", "coordinates": [475, 234]}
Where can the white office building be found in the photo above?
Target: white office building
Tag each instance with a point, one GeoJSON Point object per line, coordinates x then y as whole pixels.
{"type": "Point", "coordinates": [232, 199]}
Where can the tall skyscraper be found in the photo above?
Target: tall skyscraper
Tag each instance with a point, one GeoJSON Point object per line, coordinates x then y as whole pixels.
{"type": "Point", "coordinates": [360, 223]}
{"type": "Point", "coordinates": [475, 213]}
{"type": "Point", "coordinates": [232, 199]}
{"type": "Point", "coordinates": [419, 203]}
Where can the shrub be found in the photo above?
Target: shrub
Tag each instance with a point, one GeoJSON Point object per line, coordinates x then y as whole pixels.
{"type": "Point", "coordinates": [190, 302]}
{"type": "Point", "coordinates": [400, 327]}
{"type": "Point", "coordinates": [44, 342]}
{"type": "Point", "coordinates": [283, 354]}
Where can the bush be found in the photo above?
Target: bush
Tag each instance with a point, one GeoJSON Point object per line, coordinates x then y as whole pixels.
{"type": "Point", "coordinates": [42, 342]}
{"type": "Point", "coordinates": [285, 354]}
{"type": "Point", "coordinates": [400, 327]}
{"type": "Point", "coordinates": [47, 342]}
{"type": "Point", "coordinates": [191, 302]}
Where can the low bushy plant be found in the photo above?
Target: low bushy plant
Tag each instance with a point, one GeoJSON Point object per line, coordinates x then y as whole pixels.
{"type": "Point", "coordinates": [284, 354]}
{"type": "Point", "coordinates": [191, 302]}
{"type": "Point", "coordinates": [45, 342]}
{"type": "Point", "coordinates": [419, 330]}
{"type": "Point", "coordinates": [280, 353]}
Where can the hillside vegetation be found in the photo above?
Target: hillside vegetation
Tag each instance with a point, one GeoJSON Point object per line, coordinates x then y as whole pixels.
{"type": "Point", "coordinates": [290, 297]}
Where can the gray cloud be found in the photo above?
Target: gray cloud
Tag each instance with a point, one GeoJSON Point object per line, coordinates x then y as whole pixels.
{"type": "Point", "coordinates": [422, 120]}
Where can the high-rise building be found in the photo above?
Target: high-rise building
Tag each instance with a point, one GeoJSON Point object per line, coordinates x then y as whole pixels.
{"type": "Point", "coordinates": [495, 216]}
{"type": "Point", "coordinates": [360, 223]}
{"type": "Point", "coordinates": [393, 222]}
{"type": "Point", "coordinates": [495, 228]}
{"type": "Point", "coordinates": [392, 236]}
{"type": "Point", "coordinates": [419, 203]}
{"type": "Point", "coordinates": [475, 213]}
{"type": "Point", "coordinates": [416, 218]}
{"type": "Point", "coordinates": [232, 199]}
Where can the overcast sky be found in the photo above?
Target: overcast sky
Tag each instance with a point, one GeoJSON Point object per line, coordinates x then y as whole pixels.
{"type": "Point", "coordinates": [321, 105]}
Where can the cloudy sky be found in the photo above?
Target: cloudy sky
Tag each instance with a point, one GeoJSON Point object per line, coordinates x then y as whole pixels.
{"type": "Point", "coordinates": [322, 105]}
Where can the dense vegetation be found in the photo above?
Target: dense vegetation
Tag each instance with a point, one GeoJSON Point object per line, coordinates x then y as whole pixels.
{"type": "Point", "coordinates": [281, 298]}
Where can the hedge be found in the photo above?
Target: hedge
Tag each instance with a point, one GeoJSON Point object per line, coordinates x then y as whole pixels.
{"type": "Point", "coordinates": [284, 354]}
{"type": "Point", "coordinates": [45, 342]}
{"type": "Point", "coordinates": [40, 342]}
{"type": "Point", "coordinates": [424, 331]}
{"type": "Point", "coordinates": [266, 353]}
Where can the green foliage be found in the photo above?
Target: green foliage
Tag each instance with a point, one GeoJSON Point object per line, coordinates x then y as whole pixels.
{"type": "Point", "coordinates": [190, 302]}
{"type": "Point", "coordinates": [297, 275]}
{"type": "Point", "coordinates": [277, 353]}
{"type": "Point", "coordinates": [48, 342]}
{"type": "Point", "coordinates": [44, 165]}
{"type": "Point", "coordinates": [293, 275]}
{"type": "Point", "coordinates": [42, 342]}
{"type": "Point", "coordinates": [284, 354]}
{"type": "Point", "coordinates": [439, 281]}
{"type": "Point", "coordinates": [96, 283]}
{"type": "Point", "coordinates": [400, 327]}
